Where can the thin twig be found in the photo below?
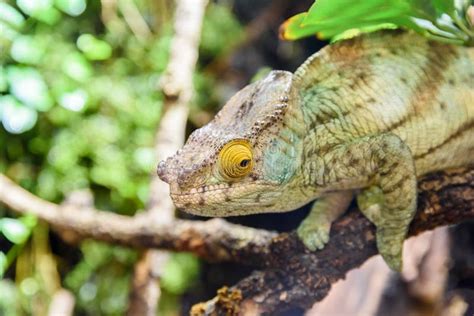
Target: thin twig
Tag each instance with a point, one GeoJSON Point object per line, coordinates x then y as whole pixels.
{"type": "Point", "coordinates": [134, 19]}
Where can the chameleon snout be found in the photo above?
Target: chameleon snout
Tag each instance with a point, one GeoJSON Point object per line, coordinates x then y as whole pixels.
{"type": "Point", "coordinates": [184, 178]}
{"type": "Point", "coordinates": [163, 172]}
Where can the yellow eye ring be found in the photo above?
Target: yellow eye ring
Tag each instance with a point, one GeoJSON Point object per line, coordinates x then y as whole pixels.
{"type": "Point", "coordinates": [235, 159]}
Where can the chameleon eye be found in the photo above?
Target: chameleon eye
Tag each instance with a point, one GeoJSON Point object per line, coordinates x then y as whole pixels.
{"type": "Point", "coordinates": [235, 159]}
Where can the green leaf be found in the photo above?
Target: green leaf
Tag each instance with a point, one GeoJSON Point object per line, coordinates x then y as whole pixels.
{"type": "Point", "coordinates": [34, 7]}
{"type": "Point", "coordinates": [77, 67]}
{"type": "Point", "coordinates": [345, 18]}
{"type": "Point", "coordinates": [292, 28]}
{"type": "Point", "coordinates": [28, 86]}
{"type": "Point", "coordinates": [29, 221]}
{"type": "Point", "coordinates": [27, 50]}
{"type": "Point", "coordinates": [41, 10]}
{"type": "Point", "coordinates": [355, 32]}
{"type": "Point", "coordinates": [93, 48]}
{"type": "Point", "coordinates": [74, 100]}
{"type": "Point", "coordinates": [3, 81]}
{"type": "Point", "coordinates": [72, 7]}
{"type": "Point", "coordinates": [423, 9]}
{"type": "Point", "coordinates": [10, 22]}
{"type": "Point", "coordinates": [14, 230]}
{"type": "Point", "coordinates": [6, 33]}
{"type": "Point", "coordinates": [3, 263]}
{"type": "Point", "coordinates": [330, 13]}
{"type": "Point", "coordinates": [444, 6]}
{"type": "Point", "coordinates": [16, 118]}
{"type": "Point", "coordinates": [334, 17]}
{"type": "Point", "coordinates": [9, 15]}
{"type": "Point", "coordinates": [9, 298]}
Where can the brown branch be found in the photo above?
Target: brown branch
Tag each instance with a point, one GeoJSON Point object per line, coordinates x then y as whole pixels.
{"type": "Point", "coordinates": [144, 288]}
{"type": "Point", "coordinates": [177, 87]}
{"type": "Point", "coordinates": [293, 276]}
{"type": "Point", "coordinates": [298, 278]}
{"type": "Point", "coordinates": [214, 240]}
{"type": "Point", "coordinates": [445, 198]}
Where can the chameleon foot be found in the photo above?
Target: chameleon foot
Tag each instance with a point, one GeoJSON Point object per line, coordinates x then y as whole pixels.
{"type": "Point", "coordinates": [314, 235]}
{"type": "Point", "coordinates": [314, 230]}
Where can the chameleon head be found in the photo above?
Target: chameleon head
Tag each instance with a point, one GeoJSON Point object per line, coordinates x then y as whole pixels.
{"type": "Point", "coordinates": [242, 161]}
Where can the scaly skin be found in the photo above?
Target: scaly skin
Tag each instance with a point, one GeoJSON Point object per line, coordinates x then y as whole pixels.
{"type": "Point", "coordinates": [361, 117]}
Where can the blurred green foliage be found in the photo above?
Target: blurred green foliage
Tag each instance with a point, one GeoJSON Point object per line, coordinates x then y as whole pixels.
{"type": "Point", "coordinates": [444, 20]}
{"type": "Point", "coordinates": [79, 107]}
{"type": "Point", "coordinates": [17, 231]}
{"type": "Point", "coordinates": [219, 30]}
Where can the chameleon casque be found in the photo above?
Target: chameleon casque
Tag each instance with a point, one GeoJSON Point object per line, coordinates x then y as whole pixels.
{"type": "Point", "coordinates": [362, 117]}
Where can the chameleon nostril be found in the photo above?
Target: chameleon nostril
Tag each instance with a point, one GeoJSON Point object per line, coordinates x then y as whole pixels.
{"type": "Point", "coordinates": [161, 171]}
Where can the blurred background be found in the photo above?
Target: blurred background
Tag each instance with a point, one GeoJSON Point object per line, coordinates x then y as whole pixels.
{"type": "Point", "coordinates": [79, 106]}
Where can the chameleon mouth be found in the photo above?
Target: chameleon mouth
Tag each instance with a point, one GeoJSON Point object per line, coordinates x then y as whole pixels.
{"type": "Point", "coordinates": [221, 199]}
{"type": "Point", "coordinates": [201, 189]}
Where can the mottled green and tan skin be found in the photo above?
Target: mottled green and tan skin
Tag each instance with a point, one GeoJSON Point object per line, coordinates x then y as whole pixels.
{"type": "Point", "coordinates": [361, 117]}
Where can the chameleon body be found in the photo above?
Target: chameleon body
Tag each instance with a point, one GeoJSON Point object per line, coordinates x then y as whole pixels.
{"type": "Point", "coordinates": [361, 118]}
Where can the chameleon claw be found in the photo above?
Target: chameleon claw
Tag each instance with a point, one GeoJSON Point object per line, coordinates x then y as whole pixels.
{"type": "Point", "coordinates": [314, 237]}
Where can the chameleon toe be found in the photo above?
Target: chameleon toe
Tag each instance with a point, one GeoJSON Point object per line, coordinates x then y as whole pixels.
{"type": "Point", "coordinates": [314, 238]}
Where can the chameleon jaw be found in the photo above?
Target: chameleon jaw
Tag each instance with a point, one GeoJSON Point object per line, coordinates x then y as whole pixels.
{"type": "Point", "coordinates": [223, 199]}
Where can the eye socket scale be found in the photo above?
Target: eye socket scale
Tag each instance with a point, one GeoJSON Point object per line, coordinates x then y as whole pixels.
{"type": "Point", "coordinates": [235, 159]}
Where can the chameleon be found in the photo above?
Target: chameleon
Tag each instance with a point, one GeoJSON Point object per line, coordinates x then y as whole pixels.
{"type": "Point", "coordinates": [362, 118]}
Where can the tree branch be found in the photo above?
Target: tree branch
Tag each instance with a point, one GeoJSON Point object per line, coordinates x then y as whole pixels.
{"type": "Point", "coordinates": [445, 198]}
{"type": "Point", "coordinates": [299, 278]}
{"type": "Point", "coordinates": [214, 240]}
{"type": "Point", "coordinates": [293, 276]}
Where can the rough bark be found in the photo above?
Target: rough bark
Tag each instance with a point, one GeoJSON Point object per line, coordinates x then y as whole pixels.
{"type": "Point", "coordinates": [214, 240]}
{"type": "Point", "coordinates": [291, 275]}
{"type": "Point", "coordinates": [296, 277]}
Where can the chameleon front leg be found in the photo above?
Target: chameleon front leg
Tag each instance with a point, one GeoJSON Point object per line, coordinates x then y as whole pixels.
{"type": "Point", "coordinates": [314, 230]}
{"type": "Point", "coordinates": [383, 167]}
